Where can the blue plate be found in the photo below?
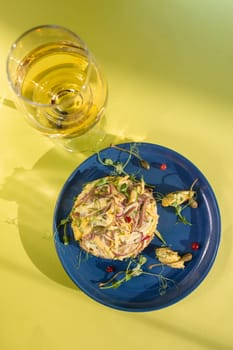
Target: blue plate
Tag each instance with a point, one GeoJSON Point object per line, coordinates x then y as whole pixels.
{"type": "Point", "coordinates": [144, 292]}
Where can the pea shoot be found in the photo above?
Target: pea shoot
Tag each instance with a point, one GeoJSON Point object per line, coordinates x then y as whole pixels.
{"type": "Point", "coordinates": [134, 269]}
{"type": "Point", "coordinates": [64, 223]}
{"type": "Point", "coordinates": [118, 167]}
{"type": "Point", "coordinates": [143, 163]}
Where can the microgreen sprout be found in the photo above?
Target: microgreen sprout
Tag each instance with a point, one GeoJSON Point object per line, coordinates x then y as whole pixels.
{"type": "Point", "coordinates": [64, 223]}
{"type": "Point", "coordinates": [143, 163]}
{"type": "Point", "coordinates": [159, 235]}
{"type": "Point", "coordinates": [134, 269]}
{"type": "Point", "coordinates": [181, 218]}
{"type": "Point", "coordinates": [119, 167]}
{"type": "Point", "coordinates": [81, 257]}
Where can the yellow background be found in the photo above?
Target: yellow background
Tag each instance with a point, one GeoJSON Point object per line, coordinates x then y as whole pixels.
{"type": "Point", "coordinates": [170, 74]}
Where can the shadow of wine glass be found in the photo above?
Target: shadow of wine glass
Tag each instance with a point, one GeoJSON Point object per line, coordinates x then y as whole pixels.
{"type": "Point", "coordinates": [35, 191]}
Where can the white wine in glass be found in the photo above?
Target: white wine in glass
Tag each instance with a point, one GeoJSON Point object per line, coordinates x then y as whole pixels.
{"type": "Point", "coordinates": [57, 81]}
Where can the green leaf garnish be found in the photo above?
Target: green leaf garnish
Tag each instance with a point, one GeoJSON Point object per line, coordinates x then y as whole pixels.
{"type": "Point", "coordinates": [135, 271]}
{"type": "Point", "coordinates": [64, 223]}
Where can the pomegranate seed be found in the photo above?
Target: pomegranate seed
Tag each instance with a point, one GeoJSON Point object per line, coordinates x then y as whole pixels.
{"type": "Point", "coordinates": [195, 246]}
{"type": "Point", "coordinates": [163, 166]}
{"type": "Point", "coordinates": [110, 268]}
{"type": "Point", "coordinates": [128, 219]}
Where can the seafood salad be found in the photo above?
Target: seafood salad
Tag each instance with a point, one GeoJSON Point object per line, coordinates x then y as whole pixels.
{"type": "Point", "coordinates": [114, 217]}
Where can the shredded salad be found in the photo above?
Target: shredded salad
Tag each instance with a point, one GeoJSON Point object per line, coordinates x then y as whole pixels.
{"type": "Point", "coordinates": [114, 217]}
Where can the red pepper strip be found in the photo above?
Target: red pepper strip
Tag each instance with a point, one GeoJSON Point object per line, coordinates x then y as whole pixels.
{"type": "Point", "coordinates": [144, 238]}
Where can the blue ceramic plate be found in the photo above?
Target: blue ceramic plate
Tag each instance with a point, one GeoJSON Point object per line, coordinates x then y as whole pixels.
{"type": "Point", "coordinates": [144, 292]}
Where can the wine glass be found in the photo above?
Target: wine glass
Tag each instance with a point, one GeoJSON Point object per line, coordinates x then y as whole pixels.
{"type": "Point", "coordinates": [57, 83]}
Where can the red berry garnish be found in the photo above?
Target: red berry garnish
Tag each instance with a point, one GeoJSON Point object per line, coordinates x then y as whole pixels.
{"type": "Point", "coordinates": [163, 166]}
{"type": "Point", "coordinates": [110, 268]}
{"type": "Point", "coordinates": [127, 219]}
{"type": "Point", "coordinates": [195, 246]}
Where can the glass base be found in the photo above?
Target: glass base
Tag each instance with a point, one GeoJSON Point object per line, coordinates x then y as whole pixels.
{"type": "Point", "coordinates": [91, 141]}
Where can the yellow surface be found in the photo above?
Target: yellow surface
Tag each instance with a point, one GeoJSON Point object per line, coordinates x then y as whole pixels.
{"type": "Point", "coordinates": [170, 73]}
